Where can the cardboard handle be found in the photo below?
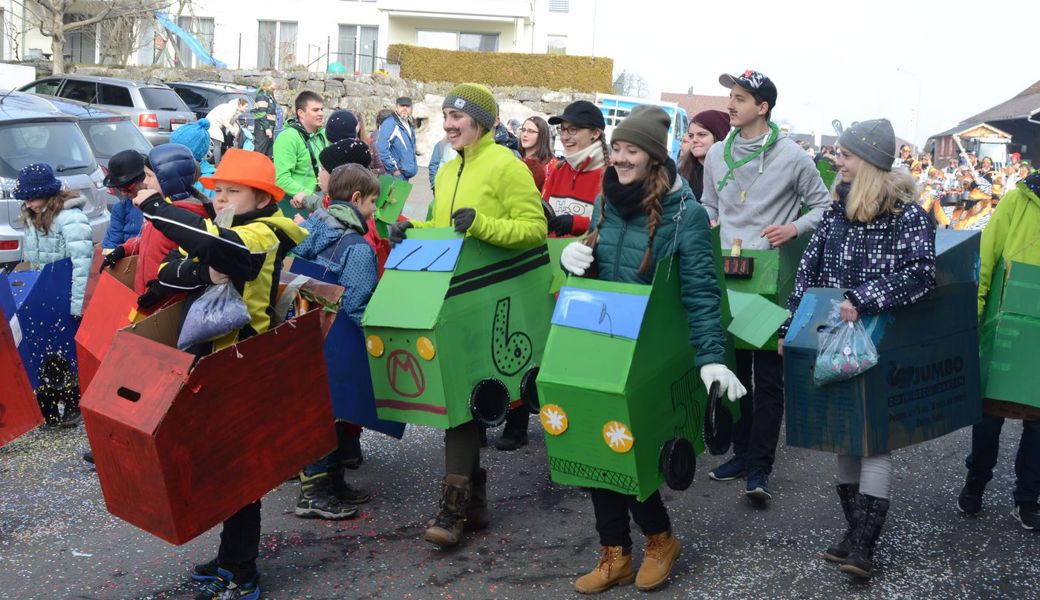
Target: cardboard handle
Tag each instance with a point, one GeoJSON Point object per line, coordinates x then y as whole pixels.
{"type": "Point", "coordinates": [128, 394]}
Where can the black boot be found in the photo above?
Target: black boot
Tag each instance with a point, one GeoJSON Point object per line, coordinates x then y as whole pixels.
{"type": "Point", "coordinates": [477, 515]}
{"type": "Point", "coordinates": [317, 501]}
{"type": "Point", "coordinates": [847, 493]}
{"type": "Point", "coordinates": [514, 435]}
{"type": "Point", "coordinates": [869, 517]}
{"type": "Point", "coordinates": [343, 491]}
{"type": "Point", "coordinates": [348, 445]}
{"type": "Point", "coordinates": [72, 416]}
{"type": "Point", "coordinates": [48, 399]}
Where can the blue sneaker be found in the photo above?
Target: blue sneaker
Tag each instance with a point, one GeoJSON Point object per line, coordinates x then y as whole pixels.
{"type": "Point", "coordinates": [729, 470]}
{"type": "Point", "coordinates": [224, 587]}
{"type": "Point", "coordinates": [204, 572]}
{"type": "Point", "coordinates": [758, 486]}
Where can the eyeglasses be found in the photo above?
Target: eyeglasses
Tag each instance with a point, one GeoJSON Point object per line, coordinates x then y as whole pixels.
{"type": "Point", "coordinates": [568, 131]}
{"type": "Point", "coordinates": [531, 131]}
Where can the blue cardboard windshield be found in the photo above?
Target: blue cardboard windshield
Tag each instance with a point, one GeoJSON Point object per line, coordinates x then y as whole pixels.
{"type": "Point", "coordinates": [610, 313]}
{"type": "Point", "coordinates": [425, 255]}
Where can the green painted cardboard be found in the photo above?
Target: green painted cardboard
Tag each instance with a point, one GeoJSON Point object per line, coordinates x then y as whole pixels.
{"type": "Point", "coordinates": [393, 194]}
{"type": "Point", "coordinates": [773, 279]}
{"type": "Point", "coordinates": [649, 384]}
{"type": "Point", "coordinates": [486, 319]}
{"type": "Point", "coordinates": [755, 319]}
{"type": "Point", "coordinates": [1010, 335]}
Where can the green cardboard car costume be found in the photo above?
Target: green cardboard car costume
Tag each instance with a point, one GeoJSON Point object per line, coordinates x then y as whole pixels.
{"type": "Point", "coordinates": [475, 311]}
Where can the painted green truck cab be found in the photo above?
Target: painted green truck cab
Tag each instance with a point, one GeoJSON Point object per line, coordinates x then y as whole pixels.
{"type": "Point", "coordinates": [622, 404]}
{"type": "Point", "coordinates": [456, 329]}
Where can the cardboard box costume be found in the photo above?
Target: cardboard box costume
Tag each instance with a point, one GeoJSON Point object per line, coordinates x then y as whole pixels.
{"type": "Point", "coordinates": [41, 301]}
{"type": "Point", "coordinates": [19, 412]}
{"type": "Point", "coordinates": [1009, 339]}
{"type": "Point", "coordinates": [926, 383]}
{"type": "Point", "coordinates": [456, 329]}
{"type": "Point", "coordinates": [201, 438]}
{"type": "Point", "coordinates": [112, 305]}
{"type": "Point", "coordinates": [622, 404]}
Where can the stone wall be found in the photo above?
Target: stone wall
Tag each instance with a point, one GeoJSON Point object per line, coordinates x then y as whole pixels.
{"type": "Point", "coordinates": [366, 94]}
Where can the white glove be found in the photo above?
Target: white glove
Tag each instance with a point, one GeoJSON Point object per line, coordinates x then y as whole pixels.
{"type": "Point", "coordinates": [728, 382]}
{"type": "Point", "coordinates": [576, 258]}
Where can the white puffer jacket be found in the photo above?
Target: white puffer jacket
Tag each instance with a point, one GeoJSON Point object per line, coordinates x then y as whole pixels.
{"type": "Point", "coordinates": [70, 237]}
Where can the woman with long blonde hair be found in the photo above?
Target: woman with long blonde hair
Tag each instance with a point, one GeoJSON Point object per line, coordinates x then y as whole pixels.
{"type": "Point", "coordinates": [876, 243]}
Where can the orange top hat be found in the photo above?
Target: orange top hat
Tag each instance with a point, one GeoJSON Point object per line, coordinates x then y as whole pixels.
{"type": "Point", "coordinates": [245, 167]}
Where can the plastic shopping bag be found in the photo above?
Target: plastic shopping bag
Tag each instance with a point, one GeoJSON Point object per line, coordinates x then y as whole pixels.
{"type": "Point", "coordinates": [218, 311]}
{"type": "Point", "coordinates": [844, 350]}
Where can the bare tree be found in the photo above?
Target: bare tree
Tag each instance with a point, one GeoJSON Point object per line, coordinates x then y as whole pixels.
{"type": "Point", "coordinates": [631, 84]}
{"type": "Point", "coordinates": [57, 19]}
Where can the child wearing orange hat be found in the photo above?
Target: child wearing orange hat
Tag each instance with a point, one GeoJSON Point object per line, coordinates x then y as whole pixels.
{"type": "Point", "coordinates": [249, 255]}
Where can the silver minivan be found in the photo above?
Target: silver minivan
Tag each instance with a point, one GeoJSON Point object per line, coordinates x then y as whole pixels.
{"type": "Point", "coordinates": [154, 107]}
{"type": "Point", "coordinates": [32, 130]}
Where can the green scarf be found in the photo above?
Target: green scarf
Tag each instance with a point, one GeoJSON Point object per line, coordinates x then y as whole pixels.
{"type": "Point", "coordinates": [733, 165]}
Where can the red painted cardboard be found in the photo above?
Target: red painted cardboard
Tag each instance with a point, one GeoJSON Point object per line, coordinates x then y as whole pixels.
{"type": "Point", "coordinates": [112, 310]}
{"type": "Point", "coordinates": [181, 447]}
{"type": "Point", "coordinates": [19, 412]}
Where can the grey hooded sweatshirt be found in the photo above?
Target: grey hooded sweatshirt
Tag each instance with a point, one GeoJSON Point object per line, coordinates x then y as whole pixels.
{"type": "Point", "coordinates": [776, 184]}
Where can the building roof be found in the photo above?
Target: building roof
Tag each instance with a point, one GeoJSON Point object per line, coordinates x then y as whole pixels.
{"type": "Point", "coordinates": [1018, 107]}
{"type": "Point", "coordinates": [975, 128]}
{"type": "Point", "coordinates": [695, 103]}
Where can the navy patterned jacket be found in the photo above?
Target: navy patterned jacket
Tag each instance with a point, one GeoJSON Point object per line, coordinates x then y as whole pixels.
{"type": "Point", "coordinates": [884, 264]}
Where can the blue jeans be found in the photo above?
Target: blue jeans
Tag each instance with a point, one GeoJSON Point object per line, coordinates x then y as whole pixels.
{"type": "Point", "coordinates": [985, 445]}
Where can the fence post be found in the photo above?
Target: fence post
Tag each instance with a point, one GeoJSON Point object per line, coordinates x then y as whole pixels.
{"type": "Point", "coordinates": [240, 51]}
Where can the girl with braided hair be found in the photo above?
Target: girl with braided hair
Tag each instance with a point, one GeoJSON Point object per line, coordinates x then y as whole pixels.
{"type": "Point", "coordinates": [645, 214]}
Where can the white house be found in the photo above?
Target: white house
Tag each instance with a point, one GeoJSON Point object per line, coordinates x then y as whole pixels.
{"type": "Point", "coordinates": [262, 34]}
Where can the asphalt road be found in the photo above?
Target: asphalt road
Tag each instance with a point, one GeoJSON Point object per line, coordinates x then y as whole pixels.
{"type": "Point", "coordinates": [57, 540]}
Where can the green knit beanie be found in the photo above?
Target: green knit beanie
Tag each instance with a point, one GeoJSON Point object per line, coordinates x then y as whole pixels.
{"type": "Point", "coordinates": [476, 101]}
{"type": "Point", "coordinates": [646, 127]}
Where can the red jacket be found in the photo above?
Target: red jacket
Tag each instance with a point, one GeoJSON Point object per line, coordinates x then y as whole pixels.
{"type": "Point", "coordinates": [573, 192]}
{"type": "Point", "coordinates": [152, 248]}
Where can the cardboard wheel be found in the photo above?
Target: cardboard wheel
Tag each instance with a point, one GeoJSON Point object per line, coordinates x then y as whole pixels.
{"type": "Point", "coordinates": [529, 391]}
{"type": "Point", "coordinates": [678, 463]}
{"type": "Point", "coordinates": [718, 423]}
{"type": "Point", "coordinates": [489, 402]}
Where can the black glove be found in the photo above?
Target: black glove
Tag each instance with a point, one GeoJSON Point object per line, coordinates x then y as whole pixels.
{"type": "Point", "coordinates": [561, 225]}
{"type": "Point", "coordinates": [152, 296]}
{"type": "Point", "coordinates": [112, 258]}
{"type": "Point", "coordinates": [398, 230]}
{"type": "Point", "coordinates": [463, 219]}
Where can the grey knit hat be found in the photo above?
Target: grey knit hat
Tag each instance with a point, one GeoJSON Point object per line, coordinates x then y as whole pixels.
{"type": "Point", "coordinates": [647, 127]}
{"type": "Point", "coordinates": [476, 101]}
{"type": "Point", "coordinates": [874, 141]}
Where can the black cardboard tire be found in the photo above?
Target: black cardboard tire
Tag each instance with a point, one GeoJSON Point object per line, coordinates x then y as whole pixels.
{"type": "Point", "coordinates": [718, 423]}
{"type": "Point", "coordinates": [489, 402]}
{"type": "Point", "coordinates": [678, 463]}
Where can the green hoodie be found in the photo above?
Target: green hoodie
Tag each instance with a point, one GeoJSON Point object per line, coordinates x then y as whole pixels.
{"type": "Point", "coordinates": [1012, 234]}
{"type": "Point", "coordinates": [293, 165]}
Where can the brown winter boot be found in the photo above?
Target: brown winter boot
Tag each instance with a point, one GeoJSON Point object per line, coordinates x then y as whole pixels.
{"type": "Point", "coordinates": [614, 568]}
{"type": "Point", "coordinates": [477, 517]}
{"type": "Point", "coordinates": [446, 528]}
{"type": "Point", "coordinates": [661, 551]}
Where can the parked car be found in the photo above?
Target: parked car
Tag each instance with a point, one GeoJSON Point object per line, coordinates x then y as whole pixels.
{"type": "Point", "coordinates": [203, 96]}
{"type": "Point", "coordinates": [32, 130]}
{"type": "Point", "coordinates": [154, 107]}
{"type": "Point", "coordinates": [107, 133]}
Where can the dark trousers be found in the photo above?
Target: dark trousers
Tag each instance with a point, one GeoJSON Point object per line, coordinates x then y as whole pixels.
{"type": "Point", "coordinates": [757, 432]}
{"type": "Point", "coordinates": [240, 542]}
{"type": "Point", "coordinates": [262, 144]}
{"type": "Point", "coordinates": [985, 445]}
{"type": "Point", "coordinates": [462, 449]}
{"type": "Point", "coordinates": [516, 422]}
{"type": "Point", "coordinates": [612, 510]}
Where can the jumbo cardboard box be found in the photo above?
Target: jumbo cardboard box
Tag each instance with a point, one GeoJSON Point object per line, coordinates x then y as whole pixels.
{"type": "Point", "coordinates": [926, 382]}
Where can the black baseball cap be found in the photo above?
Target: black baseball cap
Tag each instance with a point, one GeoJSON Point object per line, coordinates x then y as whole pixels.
{"type": "Point", "coordinates": [754, 82]}
{"type": "Point", "coordinates": [404, 101]}
{"type": "Point", "coordinates": [583, 114]}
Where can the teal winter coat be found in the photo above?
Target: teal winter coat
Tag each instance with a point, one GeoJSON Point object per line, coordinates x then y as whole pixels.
{"type": "Point", "coordinates": [684, 232]}
{"type": "Point", "coordinates": [70, 237]}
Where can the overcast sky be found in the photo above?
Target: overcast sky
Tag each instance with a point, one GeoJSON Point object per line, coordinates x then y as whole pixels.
{"type": "Point", "coordinates": [835, 60]}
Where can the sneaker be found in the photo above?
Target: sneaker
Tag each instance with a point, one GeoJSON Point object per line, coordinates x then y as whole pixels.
{"type": "Point", "coordinates": [509, 442]}
{"type": "Point", "coordinates": [729, 470]}
{"type": "Point", "coordinates": [1028, 514]}
{"type": "Point", "coordinates": [969, 502]}
{"type": "Point", "coordinates": [317, 501]}
{"type": "Point", "coordinates": [348, 494]}
{"type": "Point", "coordinates": [758, 486]}
{"type": "Point", "coordinates": [205, 571]}
{"type": "Point", "coordinates": [224, 587]}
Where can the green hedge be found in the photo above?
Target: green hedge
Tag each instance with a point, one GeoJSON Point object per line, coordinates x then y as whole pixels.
{"type": "Point", "coordinates": [553, 71]}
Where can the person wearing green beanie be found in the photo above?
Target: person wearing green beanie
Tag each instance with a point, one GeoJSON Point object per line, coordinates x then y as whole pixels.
{"type": "Point", "coordinates": [647, 214]}
{"type": "Point", "coordinates": [488, 194]}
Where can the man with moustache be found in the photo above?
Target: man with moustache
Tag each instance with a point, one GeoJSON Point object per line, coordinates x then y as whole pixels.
{"type": "Point", "coordinates": [755, 184]}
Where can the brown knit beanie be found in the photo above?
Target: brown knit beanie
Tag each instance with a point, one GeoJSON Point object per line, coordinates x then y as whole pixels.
{"type": "Point", "coordinates": [646, 127]}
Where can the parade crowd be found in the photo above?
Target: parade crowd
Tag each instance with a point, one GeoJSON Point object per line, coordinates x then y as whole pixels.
{"type": "Point", "coordinates": [200, 212]}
